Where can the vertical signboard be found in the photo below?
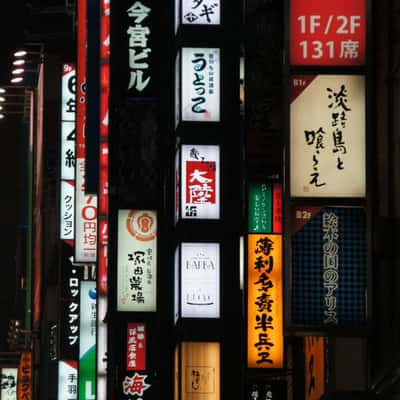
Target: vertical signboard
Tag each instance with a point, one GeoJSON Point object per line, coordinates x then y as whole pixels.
{"type": "Point", "coordinates": [327, 136]}
{"type": "Point", "coordinates": [200, 276]}
{"type": "Point", "coordinates": [87, 341]}
{"type": "Point", "coordinates": [8, 384]}
{"type": "Point", "coordinates": [85, 205]}
{"type": "Point", "coordinates": [265, 343]}
{"type": "Point", "coordinates": [67, 210]}
{"type": "Point", "coordinates": [327, 33]}
{"type": "Point", "coordinates": [70, 310]}
{"type": "Point", "coordinates": [200, 371]}
{"type": "Point", "coordinates": [138, 40]}
{"type": "Point", "coordinates": [200, 182]}
{"type": "Point", "coordinates": [136, 347]}
{"type": "Point", "coordinates": [207, 12]}
{"type": "Point", "coordinates": [24, 383]}
{"type": "Point", "coordinates": [314, 367]}
{"type": "Point", "coordinates": [67, 380]}
{"type": "Point", "coordinates": [137, 260]}
{"type": "Point", "coordinates": [201, 92]}
{"type": "Point", "coordinates": [329, 267]}
{"type": "Point", "coordinates": [265, 207]}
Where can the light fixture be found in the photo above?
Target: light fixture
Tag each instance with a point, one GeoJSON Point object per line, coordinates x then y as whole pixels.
{"type": "Point", "coordinates": [2, 90]}
{"type": "Point", "coordinates": [17, 71]}
{"type": "Point", "coordinates": [20, 61]}
{"type": "Point", "coordinates": [20, 53]}
{"type": "Point", "coordinates": [17, 79]}
{"type": "Point", "coordinates": [2, 99]}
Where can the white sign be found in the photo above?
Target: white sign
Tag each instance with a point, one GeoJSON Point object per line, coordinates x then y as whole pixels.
{"type": "Point", "coordinates": [137, 260]}
{"type": "Point", "coordinates": [67, 380]}
{"type": "Point", "coordinates": [200, 272]}
{"type": "Point", "coordinates": [177, 88]}
{"type": "Point", "coordinates": [200, 84]}
{"type": "Point", "coordinates": [67, 207]}
{"type": "Point", "coordinates": [9, 383]}
{"type": "Point", "coordinates": [201, 12]}
{"type": "Point", "coordinates": [200, 180]}
{"type": "Point", "coordinates": [327, 136]}
{"type": "Point", "coordinates": [85, 219]}
{"type": "Point", "coordinates": [176, 286]}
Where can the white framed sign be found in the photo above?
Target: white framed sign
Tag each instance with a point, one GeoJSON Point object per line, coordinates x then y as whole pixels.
{"type": "Point", "coordinates": [201, 97]}
{"type": "Point", "coordinates": [200, 277]}
{"type": "Point", "coordinates": [200, 182]}
{"type": "Point", "coordinates": [67, 209]}
{"type": "Point", "coordinates": [327, 136]}
{"type": "Point", "coordinates": [137, 260]}
{"type": "Point", "coordinates": [206, 12]}
{"type": "Point", "coordinates": [67, 380]}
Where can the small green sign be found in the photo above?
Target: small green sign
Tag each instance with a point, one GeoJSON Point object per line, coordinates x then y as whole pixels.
{"type": "Point", "coordinates": [260, 208]}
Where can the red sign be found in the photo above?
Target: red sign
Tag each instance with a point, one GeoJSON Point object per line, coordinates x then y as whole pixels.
{"type": "Point", "coordinates": [327, 32]}
{"type": "Point", "coordinates": [200, 185]}
{"type": "Point", "coordinates": [136, 347]}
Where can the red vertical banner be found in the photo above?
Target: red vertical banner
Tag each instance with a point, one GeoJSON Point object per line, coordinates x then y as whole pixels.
{"type": "Point", "coordinates": [86, 215]}
{"type": "Point", "coordinates": [277, 204]}
{"type": "Point", "coordinates": [136, 347]}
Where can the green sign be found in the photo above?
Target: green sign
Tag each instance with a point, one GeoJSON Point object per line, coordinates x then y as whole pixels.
{"type": "Point", "coordinates": [260, 208]}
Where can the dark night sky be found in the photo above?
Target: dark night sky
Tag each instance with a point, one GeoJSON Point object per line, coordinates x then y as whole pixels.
{"type": "Point", "coordinates": [11, 35]}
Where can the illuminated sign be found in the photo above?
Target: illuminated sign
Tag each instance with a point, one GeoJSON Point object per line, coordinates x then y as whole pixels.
{"type": "Point", "coordinates": [139, 52]}
{"type": "Point", "coordinates": [200, 371]}
{"type": "Point", "coordinates": [329, 267]}
{"type": "Point", "coordinates": [68, 112]}
{"type": "Point", "coordinates": [327, 136]}
{"type": "Point", "coordinates": [85, 205]}
{"type": "Point", "coordinates": [200, 180]}
{"type": "Point", "coordinates": [265, 208]}
{"type": "Point", "coordinates": [200, 85]}
{"type": "Point", "coordinates": [24, 384]}
{"type": "Point", "coordinates": [87, 341]}
{"type": "Point", "coordinates": [200, 276]}
{"type": "Point", "coordinates": [177, 88]}
{"type": "Point", "coordinates": [327, 33]}
{"type": "Point", "coordinates": [9, 383]}
{"type": "Point", "coordinates": [67, 380]}
{"type": "Point", "coordinates": [205, 12]}
{"type": "Point", "coordinates": [176, 285]}
{"type": "Point", "coordinates": [137, 260]}
{"type": "Point", "coordinates": [136, 347]}
{"type": "Point", "coordinates": [314, 367]}
{"type": "Point", "coordinates": [67, 216]}
{"type": "Point", "coordinates": [265, 342]}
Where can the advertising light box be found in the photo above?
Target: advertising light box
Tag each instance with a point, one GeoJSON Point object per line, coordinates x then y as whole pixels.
{"type": "Point", "coordinates": [200, 85]}
{"type": "Point", "coordinates": [200, 277]}
{"type": "Point", "coordinates": [137, 260]}
{"type": "Point", "coordinates": [314, 367]}
{"type": "Point", "coordinates": [327, 32]}
{"type": "Point", "coordinates": [329, 267]}
{"type": "Point", "coordinates": [265, 341]}
{"type": "Point", "coordinates": [327, 136]}
{"type": "Point", "coordinates": [67, 208]}
{"type": "Point", "coordinates": [206, 12]}
{"type": "Point", "coordinates": [9, 383]}
{"type": "Point", "coordinates": [200, 371]}
{"type": "Point", "coordinates": [200, 182]}
{"type": "Point", "coordinates": [67, 380]}
{"type": "Point", "coordinates": [136, 347]}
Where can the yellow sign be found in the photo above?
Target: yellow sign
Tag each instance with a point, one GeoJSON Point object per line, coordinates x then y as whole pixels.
{"type": "Point", "coordinates": [314, 359]}
{"type": "Point", "coordinates": [25, 377]}
{"type": "Point", "coordinates": [265, 344]}
{"type": "Point", "coordinates": [200, 371]}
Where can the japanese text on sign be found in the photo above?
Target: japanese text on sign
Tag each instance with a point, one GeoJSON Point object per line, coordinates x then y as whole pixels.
{"type": "Point", "coordinates": [136, 347]}
{"type": "Point", "coordinates": [138, 51]}
{"type": "Point", "coordinates": [327, 33]}
{"type": "Point", "coordinates": [205, 12]}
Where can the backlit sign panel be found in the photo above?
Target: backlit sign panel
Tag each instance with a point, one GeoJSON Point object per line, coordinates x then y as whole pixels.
{"type": "Point", "coordinates": [67, 208]}
{"type": "Point", "coordinates": [327, 32]}
{"type": "Point", "coordinates": [200, 371]}
{"type": "Point", "coordinates": [207, 12]}
{"type": "Point", "coordinates": [137, 260]}
{"type": "Point", "coordinates": [67, 380]}
{"type": "Point", "coordinates": [329, 267]}
{"type": "Point", "coordinates": [200, 85]}
{"type": "Point", "coordinates": [136, 347]}
{"type": "Point", "coordinates": [200, 276]}
{"type": "Point", "coordinates": [24, 384]}
{"type": "Point", "coordinates": [200, 182]}
{"type": "Point", "coordinates": [265, 342]}
{"type": "Point", "coordinates": [9, 383]}
{"type": "Point", "coordinates": [314, 367]}
{"type": "Point", "coordinates": [327, 136]}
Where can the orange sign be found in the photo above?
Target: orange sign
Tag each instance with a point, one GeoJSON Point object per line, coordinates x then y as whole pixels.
{"type": "Point", "coordinates": [24, 385]}
{"type": "Point", "coordinates": [265, 346]}
{"type": "Point", "coordinates": [314, 359]}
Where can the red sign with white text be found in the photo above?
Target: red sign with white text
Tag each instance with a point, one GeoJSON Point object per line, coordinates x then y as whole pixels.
{"type": "Point", "coordinates": [200, 185]}
{"type": "Point", "coordinates": [327, 32]}
{"type": "Point", "coordinates": [136, 347]}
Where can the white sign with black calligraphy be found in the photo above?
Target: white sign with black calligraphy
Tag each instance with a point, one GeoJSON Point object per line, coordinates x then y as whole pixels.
{"type": "Point", "coordinates": [201, 12]}
{"type": "Point", "coordinates": [327, 136]}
